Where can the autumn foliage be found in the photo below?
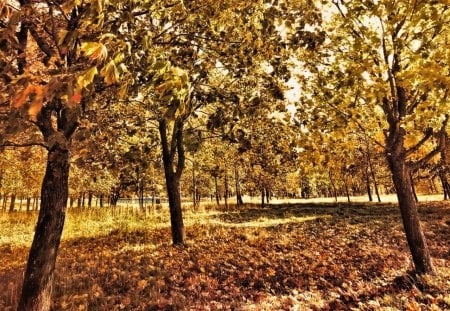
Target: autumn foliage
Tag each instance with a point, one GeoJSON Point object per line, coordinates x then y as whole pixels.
{"type": "Point", "coordinates": [307, 257]}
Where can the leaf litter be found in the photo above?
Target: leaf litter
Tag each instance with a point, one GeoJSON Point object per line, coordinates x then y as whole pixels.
{"type": "Point", "coordinates": [289, 257]}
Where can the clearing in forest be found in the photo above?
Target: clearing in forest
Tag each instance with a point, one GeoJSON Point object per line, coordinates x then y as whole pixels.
{"type": "Point", "coordinates": [282, 257]}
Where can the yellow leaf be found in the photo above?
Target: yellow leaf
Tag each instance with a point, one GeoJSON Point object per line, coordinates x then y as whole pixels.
{"type": "Point", "coordinates": [86, 78]}
{"type": "Point", "coordinates": [94, 50]}
{"type": "Point", "coordinates": [110, 73]}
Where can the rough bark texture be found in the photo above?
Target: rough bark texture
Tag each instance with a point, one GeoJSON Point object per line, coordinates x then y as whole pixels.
{"type": "Point", "coordinates": [239, 200]}
{"type": "Point", "coordinates": [216, 191]}
{"type": "Point", "coordinates": [37, 287]}
{"type": "Point", "coordinates": [396, 158]}
{"type": "Point", "coordinates": [12, 203]}
{"type": "Point", "coordinates": [172, 175]}
{"type": "Point", "coordinates": [410, 216]}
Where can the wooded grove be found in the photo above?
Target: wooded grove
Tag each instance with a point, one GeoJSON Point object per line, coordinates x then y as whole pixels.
{"type": "Point", "coordinates": [226, 154]}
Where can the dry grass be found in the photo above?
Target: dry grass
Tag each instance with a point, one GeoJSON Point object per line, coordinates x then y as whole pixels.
{"type": "Point", "coordinates": [284, 257]}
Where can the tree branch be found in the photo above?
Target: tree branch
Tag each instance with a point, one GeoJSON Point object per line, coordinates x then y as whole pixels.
{"type": "Point", "coordinates": [428, 133]}
{"type": "Point", "coordinates": [22, 145]}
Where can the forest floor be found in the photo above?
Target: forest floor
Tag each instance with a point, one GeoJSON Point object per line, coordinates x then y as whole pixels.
{"type": "Point", "coordinates": [283, 257]}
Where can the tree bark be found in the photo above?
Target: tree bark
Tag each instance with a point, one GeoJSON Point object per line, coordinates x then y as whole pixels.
{"type": "Point", "coordinates": [396, 158]}
{"type": "Point", "coordinates": [28, 203]}
{"type": "Point", "coordinates": [90, 194]}
{"type": "Point", "coordinates": [333, 185]}
{"type": "Point", "coordinates": [172, 175]}
{"type": "Point", "coordinates": [414, 233]}
{"type": "Point", "coordinates": [195, 200]}
{"type": "Point", "coordinates": [38, 281]}
{"type": "Point", "coordinates": [239, 200]}
{"type": "Point", "coordinates": [12, 203]}
{"type": "Point", "coordinates": [217, 191]}
{"type": "Point", "coordinates": [369, 191]}
{"type": "Point", "coordinates": [226, 187]}
{"type": "Point", "coordinates": [347, 192]}
{"type": "Point", "coordinates": [5, 201]}
{"type": "Point", "coordinates": [412, 187]}
{"type": "Point", "coordinates": [263, 197]}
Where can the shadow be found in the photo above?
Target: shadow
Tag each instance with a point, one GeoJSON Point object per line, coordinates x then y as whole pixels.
{"type": "Point", "coordinates": [250, 213]}
{"type": "Point", "coordinates": [355, 251]}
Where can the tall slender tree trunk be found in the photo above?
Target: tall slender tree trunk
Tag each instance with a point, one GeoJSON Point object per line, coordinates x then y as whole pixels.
{"type": "Point", "coordinates": [263, 196]}
{"type": "Point", "coordinates": [39, 274]}
{"type": "Point", "coordinates": [413, 188]}
{"type": "Point", "coordinates": [90, 194]}
{"type": "Point", "coordinates": [396, 158]}
{"type": "Point", "coordinates": [195, 199]}
{"type": "Point", "coordinates": [347, 192]}
{"type": "Point", "coordinates": [330, 176]}
{"type": "Point", "coordinates": [369, 191]}
{"type": "Point", "coordinates": [172, 175]}
{"type": "Point", "coordinates": [35, 203]}
{"type": "Point", "coordinates": [12, 203]}
{"type": "Point", "coordinates": [226, 186]}
{"type": "Point", "coordinates": [237, 183]}
{"type": "Point", "coordinates": [83, 198]}
{"type": "Point", "coordinates": [445, 186]}
{"type": "Point", "coordinates": [5, 201]}
{"type": "Point", "coordinates": [217, 191]}
{"type": "Point", "coordinates": [372, 170]}
{"type": "Point", "coordinates": [28, 203]}
{"type": "Point", "coordinates": [414, 233]}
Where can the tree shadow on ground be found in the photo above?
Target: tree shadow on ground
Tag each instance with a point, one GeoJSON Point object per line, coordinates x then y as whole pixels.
{"type": "Point", "coordinates": [341, 261]}
{"type": "Point", "coordinates": [249, 213]}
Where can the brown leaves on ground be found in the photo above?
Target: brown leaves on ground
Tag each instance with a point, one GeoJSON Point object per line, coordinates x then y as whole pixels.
{"type": "Point", "coordinates": [278, 258]}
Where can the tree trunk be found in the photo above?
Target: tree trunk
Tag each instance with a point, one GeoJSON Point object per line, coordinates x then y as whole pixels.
{"type": "Point", "coordinates": [347, 192]}
{"type": "Point", "coordinates": [239, 200]}
{"type": "Point", "coordinates": [372, 171]}
{"type": "Point", "coordinates": [333, 185]}
{"type": "Point", "coordinates": [176, 216]}
{"type": "Point", "coordinates": [115, 195]}
{"type": "Point", "coordinates": [414, 233]}
{"type": "Point", "coordinates": [35, 203]}
{"type": "Point", "coordinates": [28, 204]}
{"type": "Point", "coordinates": [267, 196]}
{"type": "Point", "coordinates": [90, 194]}
{"type": "Point", "coordinates": [431, 187]}
{"type": "Point", "coordinates": [369, 191]}
{"type": "Point", "coordinates": [217, 191]}
{"type": "Point", "coordinates": [12, 203]}
{"type": "Point", "coordinates": [226, 187]}
{"type": "Point", "coordinates": [37, 286]}
{"type": "Point", "coordinates": [263, 197]}
{"type": "Point", "coordinates": [445, 186]}
{"type": "Point", "coordinates": [412, 187]}
{"type": "Point", "coordinates": [5, 201]}
{"type": "Point", "coordinates": [172, 176]}
{"type": "Point", "coordinates": [195, 202]}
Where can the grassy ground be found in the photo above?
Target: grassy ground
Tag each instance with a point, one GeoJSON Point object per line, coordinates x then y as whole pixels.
{"type": "Point", "coordinates": [313, 256]}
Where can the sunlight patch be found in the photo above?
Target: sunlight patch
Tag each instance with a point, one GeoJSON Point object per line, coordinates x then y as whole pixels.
{"type": "Point", "coordinates": [265, 222]}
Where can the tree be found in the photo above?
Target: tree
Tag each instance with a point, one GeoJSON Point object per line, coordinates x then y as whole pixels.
{"type": "Point", "coordinates": [48, 65]}
{"type": "Point", "coordinates": [395, 52]}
